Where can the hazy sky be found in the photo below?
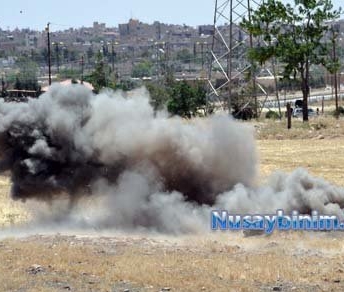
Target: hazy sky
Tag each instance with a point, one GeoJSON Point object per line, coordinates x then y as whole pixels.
{"type": "Point", "coordinates": [63, 14]}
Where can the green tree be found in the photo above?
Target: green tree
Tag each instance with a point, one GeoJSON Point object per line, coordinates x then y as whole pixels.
{"type": "Point", "coordinates": [42, 56]}
{"type": "Point", "coordinates": [186, 100]}
{"type": "Point", "coordinates": [65, 55]}
{"type": "Point", "coordinates": [73, 55]}
{"type": "Point", "coordinates": [294, 35]}
{"type": "Point", "coordinates": [69, 73]}
{"type": "Point", "coordinates": [18, 84]}
{"type": "Point", "coordinates": [98, 76]}
{"type": "Point", "coordinates": [90, 55]}
{"type": "Point", "coordinates": [142, 69]}
{"type": "Point", "coordinates": [127, 84]}
{"type": "Point", "coordinates": [159, 95]}
{"type": "Point", "coordinates": [185, 56]}
{"type": "Point", "coordinates": [101, 77]}
{"type": "Point", "coordinates": [26, 77]}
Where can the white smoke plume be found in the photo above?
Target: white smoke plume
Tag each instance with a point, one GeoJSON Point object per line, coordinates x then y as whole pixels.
{"type": "Point", "coordinates": [117, 165]}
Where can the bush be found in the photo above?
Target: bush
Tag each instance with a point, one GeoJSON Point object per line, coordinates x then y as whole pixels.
{"type": "Point", "coordinates": [186, 100]}
{"type": "Point", "coordinates": [319, 125]}
{"type": "Point", "coordinates": [339, 112]}
{"type": "Point", "coordinates": [272, 115]}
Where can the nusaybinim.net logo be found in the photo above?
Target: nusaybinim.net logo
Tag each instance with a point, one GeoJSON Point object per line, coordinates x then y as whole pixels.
{"type": "Point", "coordinates": [223, 220]}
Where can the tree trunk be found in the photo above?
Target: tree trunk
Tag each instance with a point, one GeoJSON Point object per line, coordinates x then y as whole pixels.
{"type": "Point", "coordinates": [304, 104]}
{"type": "Point", "coordinates": [276, 87]}
{"type": "Point", "coordinates": [305, 91]}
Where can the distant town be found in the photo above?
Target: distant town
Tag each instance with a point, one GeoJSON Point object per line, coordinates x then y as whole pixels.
{"type": "Point", "coordinates": [133, 51]}
{"type": "Point", "coordinates": [126, 49]}
{"type": "Point", "coordinates": [184, 47]}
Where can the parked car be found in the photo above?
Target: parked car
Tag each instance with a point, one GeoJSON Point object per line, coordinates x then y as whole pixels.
{"type": "Point", "coordinates": [298, 113]}
{"type": "Point", "coordinates": [298, 103]}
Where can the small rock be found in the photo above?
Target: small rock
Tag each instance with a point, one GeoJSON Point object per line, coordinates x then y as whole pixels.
{"type": "Point", "coordinates": [276, 288]}
{"type": "Point", "coordinates": [166, 289]}
{"type": "Point", "coordinates": [34, 269]}
{"type": "Point", "coordinates": [320, 137]}
{"type": "Point", "coordinates": [336, 281]}
{"type": "Point", "coordinates": [126, 290]}
{"type": "Point", "coordinates": [272, 244]}
{"type": "Point", "coordinates": [252, 232]}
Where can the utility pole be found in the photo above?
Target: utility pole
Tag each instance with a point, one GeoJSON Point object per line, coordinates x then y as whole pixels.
{"type": "Point", "coordinates": [113, 56]}
{"type": "Point", "coordinates": [2, 84]}
{"type": "Point", "coordinates": [159, 31]}
{"type": "Point", "coordinates": [49, 53]}
{"type": "Point", "coordinates": [166, 61]}
{"type": "Point", "coordinates": [82, 69]}
{"type": "Point", "coordinates": [159, 50]}
{"type": "Point", "coordinates": [158, 62]}
{"type": "Point", "coordinates": [334, 36]}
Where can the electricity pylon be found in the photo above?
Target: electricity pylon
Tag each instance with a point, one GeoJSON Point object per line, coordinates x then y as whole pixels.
{"type": "Point", "coordinates": [231, 75]}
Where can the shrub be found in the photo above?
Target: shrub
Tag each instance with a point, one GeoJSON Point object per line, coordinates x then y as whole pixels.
{"type": "Point", "coordinates": [339, 112]}
{"type": "Point", "coordinates": [272, 115]}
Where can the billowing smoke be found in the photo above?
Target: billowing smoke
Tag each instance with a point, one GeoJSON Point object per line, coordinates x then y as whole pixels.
{"type": "Point", "coordinates": [119, 165]}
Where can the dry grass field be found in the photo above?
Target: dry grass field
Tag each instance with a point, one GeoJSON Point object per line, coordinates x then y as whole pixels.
{"type": "Point", "coordinates": [284, 261]}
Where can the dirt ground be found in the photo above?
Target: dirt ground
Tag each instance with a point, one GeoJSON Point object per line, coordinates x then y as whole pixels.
{"type": "Point", "coordinates": [215, 261]}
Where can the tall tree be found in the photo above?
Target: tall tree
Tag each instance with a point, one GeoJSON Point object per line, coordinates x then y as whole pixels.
{"type": "Point", "coordinates": [98, 76]}
{"type": "Point", "coordinates": [293, 34]}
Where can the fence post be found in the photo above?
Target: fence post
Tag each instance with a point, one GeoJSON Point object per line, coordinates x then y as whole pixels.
{"type": "Point", "coordinates": [289, 115]}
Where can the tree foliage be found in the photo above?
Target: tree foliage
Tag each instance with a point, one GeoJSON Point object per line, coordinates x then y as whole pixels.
{"type": "Point", "coordinates": [100, 76]}
{"type": "Point", "coordinates": [186, 100]}
{"type": "Point", "coordinates": [185, 56]}
{"type": "Point", "coordinates": [293, 34]}
{"type": "Point", "coordinates": [159, 95]}
{"type": "Point", "coordinates": [69, 73]}
{"type": "Point", "coordinates": [26, 78]}
{"type": "Point", "coordinates": [142, 69]}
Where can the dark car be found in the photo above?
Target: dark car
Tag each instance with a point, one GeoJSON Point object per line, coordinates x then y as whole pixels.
{"type": "Point", "coordinates": [298, 103]}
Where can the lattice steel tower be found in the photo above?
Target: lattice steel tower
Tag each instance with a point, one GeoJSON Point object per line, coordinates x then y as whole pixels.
{"type": "Point", "coordinates": [231, 76]}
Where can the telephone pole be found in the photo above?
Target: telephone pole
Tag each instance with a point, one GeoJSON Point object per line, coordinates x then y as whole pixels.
{"type": "Point", "coordinates": [82, 69]}
{"type": "Point", "coordinates": [113, 56]}
{"type": "Point", "coordinates": [335, 30]}
{"type": "Point", "coordinates": [49, 52]}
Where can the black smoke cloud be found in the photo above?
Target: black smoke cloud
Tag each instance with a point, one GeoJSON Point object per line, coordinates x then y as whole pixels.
{"type": "Point", "coordinates": [68, 139]}
{"type": "Point", "coordinates": [117, 165]}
